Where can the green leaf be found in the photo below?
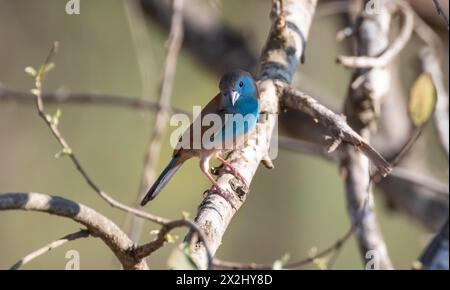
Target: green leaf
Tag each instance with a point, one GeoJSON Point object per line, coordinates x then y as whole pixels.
{"type": "Point", "coordinates": [67, 151]}
{"type": "Point", "coordinates": [321, 263]}
{"type": "Point", "coordinates": [180, 258]}
{"type": "Point", "coordinates": [35, 92]}
{"type": "Point", "coordinates": [417, 265]}
{"type": "Point", "coordinates": [185, 214]}
{"type": "Point", "coordinates": [154, 232]}
{"type": "Point", "coordinates": [312, 252]}
{"type": "Point", "coordinates": [422, 100]}
{"type": "Point", "coordinates": [171, 239]}
{"type": "Point", "coordinates": [45, 68]}
{"type": "Point", "coordinates": [48, 117]}
{"type": "Point", "coordinates": [278, 264]}
{"type": "Point", "coordinates": [56, 117]}
{"type": "Point", "coordinates": [64, 152]}
{"type": "Point", "coordinates": [30, 71]}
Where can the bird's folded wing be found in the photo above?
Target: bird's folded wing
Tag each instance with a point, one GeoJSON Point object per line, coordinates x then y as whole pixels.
{"type": "Point", "coordinates": [216, 112]}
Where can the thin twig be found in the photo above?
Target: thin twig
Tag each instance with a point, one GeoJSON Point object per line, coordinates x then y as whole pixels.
{"type": "Point", "coordinates": [66, 150]}
{"type": "Point", "coordinates": [214, 44]}
{"type": "Point", "coordinates": [435, 256]}
{"type": "Point", "coordinates": [47, 248]}
{"type": "Point", "coordinates": [97, 224]}
{"type": "Point", "coordinates": [407, 147]}
{"type": "Point", "coordinates": [175, 41]}
{"type": "Point", "coordinates": [131, 102]}
{"type": "Point", "coordinates": [287, 143]}
{"type": "Point", "coordinates": [406, 175]}
{"type": "Point", "coordinates": [362, 108]}
{"type": "Point", "coordinates": [141, 43]}
{"type": "Point", "coordinates": [441, 12]}
{"type": "Point", "coordinates": [439, 188]}
{"type": "Point", "coordinates": [335, 123]}
{"type": "Point", "coordinates": [333, 248]}
{"type": "Point", "coordinates": [392, 51]}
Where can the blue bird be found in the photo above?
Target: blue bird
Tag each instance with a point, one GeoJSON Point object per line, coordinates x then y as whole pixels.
{"type": "Point", "coordinates": [237, 109]}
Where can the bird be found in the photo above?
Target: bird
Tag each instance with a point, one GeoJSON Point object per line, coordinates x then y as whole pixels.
{"type": "Point", "coordinates": [238, 97]}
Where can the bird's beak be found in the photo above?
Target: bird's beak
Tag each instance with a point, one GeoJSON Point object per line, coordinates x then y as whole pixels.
{"type": "Point", "coordinates": [234, 97]}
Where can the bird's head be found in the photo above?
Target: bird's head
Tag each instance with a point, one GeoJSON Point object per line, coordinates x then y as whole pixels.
{"type": "Point", "coordinates": [238, 85]}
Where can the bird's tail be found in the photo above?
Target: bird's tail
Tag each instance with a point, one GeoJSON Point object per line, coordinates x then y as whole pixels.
{"type": "Point", "coordinates": [162, 180]}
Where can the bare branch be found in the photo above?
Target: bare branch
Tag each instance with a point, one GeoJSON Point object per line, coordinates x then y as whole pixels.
{"type": "Point", "coordinates": [392, 51]}
{"type": "Point", "coordinates": [421, 197]}
{"type": "Point", "coordinates": [435, 256]}
{"type": "Point", "coordinates": [141, 43]}
{"type": "Point", "coordinates": [97, 224]}
{"type": "Point", "coordinates": [304, 147]}
{"type": "Point", "coordinates": [362, 108]}
{"type": "Point", "coordinates": [405, 191]}
{"type": "Point", "coordinates": [213, 43]}
{"type": "Point", "coordinates": [273, 69]}
{"type": "Point", "coordinates": [175, 40]}
{"type": "Point", "coordinates": [441, 12]}
{"type": "Point", "coordinates": [335, 123]}
{"type": "Point", "coordinates": [436, 186]}
{"type": "Point", "coordinates": [9, 95]}
{"type": "Point", "coordinates": [47, 248]}
{"type": "Point", "coordinates": [280, 57]}
{"type": "Point", "coordinates": [161, 239]}
{"type": "Point", "coordinates": [333, 249]}
{"type": "Point", "coordinates": [66, 150]}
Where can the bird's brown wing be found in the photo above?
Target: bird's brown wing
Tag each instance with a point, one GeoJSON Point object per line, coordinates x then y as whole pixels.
{"type": "Point", "coordinates": [191, 148]}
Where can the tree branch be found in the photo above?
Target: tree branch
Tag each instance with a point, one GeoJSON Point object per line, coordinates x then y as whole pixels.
{"type": "Point", "coordinates": [52, 124]}
{"type": "Point", "coordinates": [333, 249]}
{"type": "Point", "coordinates": [97, 224]}
{"type": "Point", "coordinates": [406, 192]}
{"type": "Point", "coordinates": [9, 95]}
{"type": "Point", "coordinates": [335, 123]}
{"type": "Point", "coordinates": [385, 57]}
{"type": "Point", "coordinates": [362, 108]}
{"type": "Point", "coordinates": [435, 256]}
{"type": "Point", "coordinates": [175, 40]}
{"type": "Point", "coordinates": [422, 198]}
{"type": "Point", "coordinates": [441, 12]}
{"type": "Point", "coordinates": [141, 44]}
{"type": "Point", "coordinates": [210, 41]}
{"type": "Point", "coordinates": [47, 248]}
{"type": "Point", "coordinates": [280, 57]}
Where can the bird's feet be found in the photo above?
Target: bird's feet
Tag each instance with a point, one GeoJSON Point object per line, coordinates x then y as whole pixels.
{"type": "Point", "coordinates": [228, 168]}
{"type": "Point", "coordinates": [223, 193]}
{"type": "Point", "coordinates": [233, 171]}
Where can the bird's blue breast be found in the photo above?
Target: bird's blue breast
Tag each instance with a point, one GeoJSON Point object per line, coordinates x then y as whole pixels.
{"type": "Point", "coordinates": [244, 118]}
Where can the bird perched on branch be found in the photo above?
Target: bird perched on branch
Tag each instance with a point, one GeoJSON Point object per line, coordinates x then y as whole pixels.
{"type": "Point", "coordinates": [234, 114]}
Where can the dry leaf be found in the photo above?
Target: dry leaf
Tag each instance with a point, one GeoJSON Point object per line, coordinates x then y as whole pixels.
{"type": "Point", "coordinates": [422, 100]}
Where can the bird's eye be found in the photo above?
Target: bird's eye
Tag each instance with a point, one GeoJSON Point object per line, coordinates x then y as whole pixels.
{"type": "Point", "coordinates": [241, 84]}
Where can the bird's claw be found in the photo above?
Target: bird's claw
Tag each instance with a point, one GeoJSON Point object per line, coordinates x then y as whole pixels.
{"type": "Point", "coordinates": [223, 193]}
{"type": "Point", "coordinates": [216, 170]}
{"type": "Point", "coordinates": [231, 170]}
{"type": "Point", "coordinates": [228, 169]}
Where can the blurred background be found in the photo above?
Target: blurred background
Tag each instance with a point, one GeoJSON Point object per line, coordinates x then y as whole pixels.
{"type": "Point", "coordinates": [296, 206]}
